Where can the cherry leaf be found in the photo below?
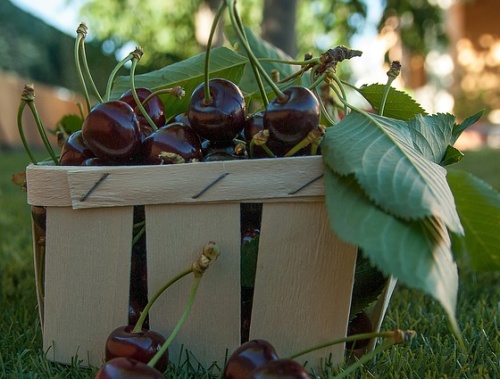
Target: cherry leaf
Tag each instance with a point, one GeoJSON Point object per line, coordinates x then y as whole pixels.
{"type": "Point", "coordinates": [478, 206]}
{"type": "Point", "coordinates": [418, 253]}
{"type": "Point", "coordinates": [379, 152]}
{"type": "Point", "coordinates": [399, 105]}
{"type": "Point", "coordinates": [188, 74]}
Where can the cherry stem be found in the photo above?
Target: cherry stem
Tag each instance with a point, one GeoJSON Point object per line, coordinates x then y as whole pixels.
{"type": "Point", "coordinates": [365, 358]}
{"type": "Point", "coordinates": [142, 318]}
{"type": "Point", "coordinates": [180, 323]}
{"type": "Point", "coordinates": [113, 74]}
{"type": "Point", "coordinates": [256, 73]}
{"type": "Point", "coordinates": [87, 69]}
{"type": "Point", "coordinates": [218, 15]}
{"type": "Point", "coordinates": [20, 112]}
{"type": "Point", "coordinates": [392, 74]}
{"type": "Point", "coordinates": [313, 138]}
{"type": "Point", "coordinates": [396, 336]}
{"type": "Point", "coordinates": [176, 91]}
{"type": "Point", "coordinates": [81, 33]}
{"type": "Point", "coordinates": [28, 98]}
{"type": "Point", "coordinates": [210, 253]}
{"type": "Point", "coordinates": [137, 54]}
{"type": "Point", "coordinates": [195, 268]}
{"type": "Point", "coordinates": [253, 60]}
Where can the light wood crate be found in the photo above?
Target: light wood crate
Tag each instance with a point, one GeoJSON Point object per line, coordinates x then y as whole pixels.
{"type": "Point", "coordinates": [304, 273]}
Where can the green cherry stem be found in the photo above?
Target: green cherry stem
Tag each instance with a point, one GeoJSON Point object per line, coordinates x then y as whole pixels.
{"type": "Point", "coordinates": [28, 98]}
{"type": "Point", "coordinates": [364, 359]}
{"type": "Point", "coordinates": [392, 74]}
{"type": "Point", "coordinates": [81, 32]}
{"type": "Point", "coordinates": [87, 69]}
{"type": "Point", "coordinates": [256, 73]}
{"type": "Point", "coordinates": [352, 338]}
{"type": "Point", "coordinates": [193, 268]}
{"type": "Point", "coordinates": [210, 253]}
{"type": "Point", "coordinates": [218, 15]}
{"type": "Point", "coordinates": [20, 127]}
{"type": "Point", "coordinates": [113, 74]}
{"type": "Point", "coordinates": [254, 61]}
{"type": "Point", "coordinates": [136, 56]}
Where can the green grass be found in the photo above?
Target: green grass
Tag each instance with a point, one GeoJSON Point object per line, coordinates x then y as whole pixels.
{"type": "Point", "coordinates": [434, 353]}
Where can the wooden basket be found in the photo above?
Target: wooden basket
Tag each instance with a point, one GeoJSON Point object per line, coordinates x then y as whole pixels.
{"type": "Point", "coordinates": [304, 273]}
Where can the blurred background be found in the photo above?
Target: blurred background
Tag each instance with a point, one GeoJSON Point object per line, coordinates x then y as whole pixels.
{"type": "Point", "coordinates": [449, 49]}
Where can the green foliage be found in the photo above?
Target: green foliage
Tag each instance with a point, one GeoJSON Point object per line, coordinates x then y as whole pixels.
{"type": "Point", "coordinates": [399, 104]}
{"type": "Point", "coordinates": [478, 205]}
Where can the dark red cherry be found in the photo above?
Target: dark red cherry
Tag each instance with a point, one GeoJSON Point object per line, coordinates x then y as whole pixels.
{"type": "Point", "coordinates": [247, 357]}
{"type": "Point", "coordinates": [361, 323]}
{"type": "Point", "coordinates": [126, 368]}
{"type": "Point", "coordinates": [280, 369]}
{"type": "Point", "coordinates": [142, 346]}
{"type": "Point", "coordinates": [111, 131]}
{"type": "Point", "coordinates": [291, 119]}
{"type": "Point", "coordinates": [254, 124]}
{"type": "Point", "coordinates": [171, 142]}
{"type": "Point", "coordinates": [221, 118]}
{"type": "Point", "coordinates": [94, 161]}
{"type": "Point", "coordinates": [74, 151]}
{"type": "Point", "coordinates": [154, 108]}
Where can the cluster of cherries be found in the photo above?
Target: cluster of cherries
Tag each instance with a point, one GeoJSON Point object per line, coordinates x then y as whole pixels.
{"type": "Point", "coordinates": [116, 132]}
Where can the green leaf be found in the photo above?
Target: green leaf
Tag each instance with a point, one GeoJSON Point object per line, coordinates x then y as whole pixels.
{"type": "Point", "coordinates": [224, 63]}
{"type": "Point", "coordinates": [70, 123]}
{"type": "Point", "coordinates": [432, 134]}
{"type": "Point", "coordinates": [369, 283]}
{"type": "Point", "coordinates": [379, 152]}
{"type": "Point", "coordinates": [478, 206]}
{"type": "Point", "coordinates": [399, 104]}
{"type": "Point", "coordinates": [469, 121]}
{"type": "Point", "coordinates": [416, 252]}
{"type": "Point", "coordinates": [452, 155]}
{"type": "Point", "coordinates": [249, 253]}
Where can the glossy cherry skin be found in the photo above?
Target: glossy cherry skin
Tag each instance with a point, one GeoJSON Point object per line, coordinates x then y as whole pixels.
{"type": "Point", "coordinates": [111, 131]}
{"type": "Point", "coordinates": [280, 369]}
{"type": "Point", "coordinates": [290, 120]}
{"type": "Point", "coordinates": [221, 118]}
{"type": "Point", "coordinates": [142, 346]}
{"type": "Point", "coordinates": [361, 323]}
{"type": "Point", "coordinates": [74, 151]}
{"type": "Point", "coordinates": [126, 368]}
{"type": "Point", "coordinates": [177, 138]}
{"type": "Point", "coordinates": [248, 357]}
{"type": "Point", "coordinates": [154, 108]}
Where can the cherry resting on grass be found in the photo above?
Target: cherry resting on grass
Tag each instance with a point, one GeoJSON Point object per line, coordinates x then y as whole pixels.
{"type": "Point", "coordinates": [141, 346]}
{"type": "Point", "coordinates": [280, 369]}
{"type": "Point", "coordinates": [127, 368]}
{"type": "Point", "coordinates": [247, 357]}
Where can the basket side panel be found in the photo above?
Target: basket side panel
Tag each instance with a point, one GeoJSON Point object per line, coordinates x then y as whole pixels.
{"type": "Point", "coordinates": [87, 277]}
{"type": "Point", "coordinates": [303, 282]}
{"type": "Point", "coordinates": [175, 236]}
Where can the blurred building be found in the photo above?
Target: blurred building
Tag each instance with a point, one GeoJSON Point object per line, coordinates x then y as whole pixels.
{"type": "Point", "coordinates": [32, 51]}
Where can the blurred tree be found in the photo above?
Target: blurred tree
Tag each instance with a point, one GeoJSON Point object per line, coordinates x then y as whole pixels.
{"type": "Point", "coordinates": [167, 29]}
